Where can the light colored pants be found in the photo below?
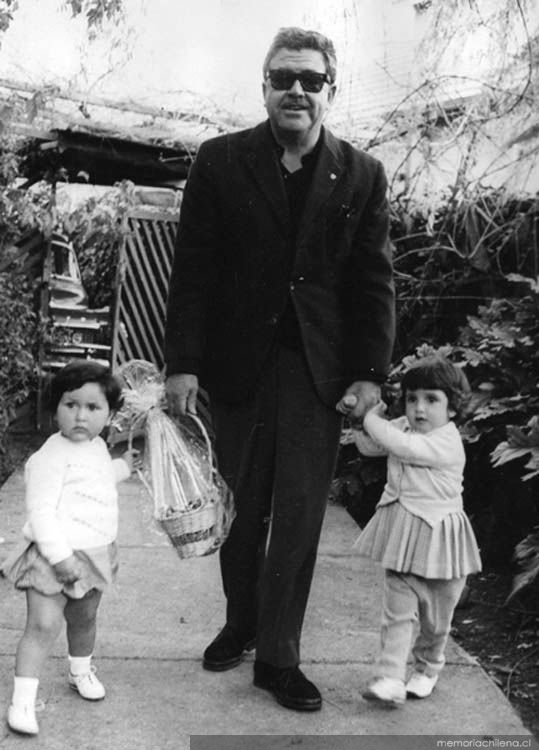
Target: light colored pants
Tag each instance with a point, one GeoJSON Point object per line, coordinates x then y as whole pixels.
{"type": "Point", "coordinates": [410, 599]}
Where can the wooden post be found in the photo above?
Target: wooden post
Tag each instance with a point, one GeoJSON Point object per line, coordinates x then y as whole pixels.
{"type": "Point", "coordinates": [118, 284]}
{"type": "Point", "coordinates": [44, 298]}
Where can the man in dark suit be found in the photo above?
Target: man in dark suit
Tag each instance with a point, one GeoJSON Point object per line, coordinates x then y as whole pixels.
{"type": "Point", "coordinates": [281, 305]}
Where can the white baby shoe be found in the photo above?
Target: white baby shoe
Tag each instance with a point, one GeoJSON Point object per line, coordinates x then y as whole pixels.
{"type": "Point", "coordinates": [22, 718]}
{"type": "Point", "coordinates": [420, 685]}
{"type": "Point", "coordinates": [388, 690]}
{"type": "Point", "coordinates": [87, 685]}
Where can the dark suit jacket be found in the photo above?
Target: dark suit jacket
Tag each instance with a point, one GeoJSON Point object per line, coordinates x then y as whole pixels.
{"type": "Point", "coordinates": [232, 272]}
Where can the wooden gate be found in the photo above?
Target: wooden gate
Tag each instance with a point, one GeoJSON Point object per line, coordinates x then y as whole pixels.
{"type": "Point", "coordinates": [145, 265]}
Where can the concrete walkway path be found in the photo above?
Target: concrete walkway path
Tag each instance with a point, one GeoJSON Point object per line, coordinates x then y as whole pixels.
{"type": "Point", "coordinates": [162, 613]}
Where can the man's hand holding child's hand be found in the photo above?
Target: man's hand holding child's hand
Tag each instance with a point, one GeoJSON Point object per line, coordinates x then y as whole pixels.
{"type": "Point", "coordinates": [358, 399]}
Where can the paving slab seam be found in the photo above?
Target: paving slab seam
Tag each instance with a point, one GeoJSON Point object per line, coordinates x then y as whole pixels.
{"type": "Point", "coordinates": [197, 660]}
{"type": "Point", "coordinates": [337, 556]}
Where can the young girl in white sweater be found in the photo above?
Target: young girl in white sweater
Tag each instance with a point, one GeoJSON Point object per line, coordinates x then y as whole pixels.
{"type": "Point", "coordinates": [419, 533]}
{"type": "Point", "coordinates": [70, 553]}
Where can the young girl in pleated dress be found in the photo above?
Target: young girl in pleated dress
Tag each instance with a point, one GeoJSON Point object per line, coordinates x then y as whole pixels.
{"type": "Point", "coordinates": [69, 556]}
{"type": "Point", "coordinates": [419, 533]}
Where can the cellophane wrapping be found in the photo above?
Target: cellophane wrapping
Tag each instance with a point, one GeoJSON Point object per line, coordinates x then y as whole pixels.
{"type": "Point", "coordinates": [191, 501]}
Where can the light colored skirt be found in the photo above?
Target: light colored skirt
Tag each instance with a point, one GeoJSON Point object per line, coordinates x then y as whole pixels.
{"type": "Point", "coordinates": [26, 568]}
{"type": "Point", "coordinates": [405, 543]}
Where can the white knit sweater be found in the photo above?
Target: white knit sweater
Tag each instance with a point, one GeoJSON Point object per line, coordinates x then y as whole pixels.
{"type": "Point", "coordinates": [424, 471]}
{"type": "Point", "coordinates": [71, 496]}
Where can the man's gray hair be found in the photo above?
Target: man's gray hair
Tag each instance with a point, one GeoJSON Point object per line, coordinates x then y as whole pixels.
{"type": "Point", "coordinates": [294, 38]}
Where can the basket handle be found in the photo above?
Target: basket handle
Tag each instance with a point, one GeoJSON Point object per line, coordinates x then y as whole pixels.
{"type": "Point", "coordinates": [200, 424]}
{"type": "Point", "coordinates": [133, 426]}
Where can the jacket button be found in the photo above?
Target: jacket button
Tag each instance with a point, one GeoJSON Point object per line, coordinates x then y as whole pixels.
{"type": "Point", "coordinates": [291, 286]}
{"type": "Point", "coordinates": [273, 320]}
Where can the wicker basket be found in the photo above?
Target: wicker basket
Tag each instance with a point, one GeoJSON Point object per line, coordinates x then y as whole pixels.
{"type": "Point", "coordinates": [192, 533]}
{"type": "Point", "coordinates": [196, 532]}
{"type": "Point", "coordinates": [195, 512]}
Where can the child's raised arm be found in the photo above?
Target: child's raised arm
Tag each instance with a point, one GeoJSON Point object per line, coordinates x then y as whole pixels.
{"type": "Point", "coordinates": [364, 442]}
{"type": "Point", "coordinates": [366, 445]}
{"type": "Point", "coordinates": [437, 448]}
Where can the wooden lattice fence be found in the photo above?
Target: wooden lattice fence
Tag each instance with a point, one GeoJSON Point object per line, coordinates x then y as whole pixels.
{"type": "Point", "coordinates": [143, 276]}
{"type": "Point", "coordinates": [144, 269]}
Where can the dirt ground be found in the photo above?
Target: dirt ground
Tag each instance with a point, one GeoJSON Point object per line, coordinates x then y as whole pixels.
{"type": "Point", "coordinates": [504, 639]}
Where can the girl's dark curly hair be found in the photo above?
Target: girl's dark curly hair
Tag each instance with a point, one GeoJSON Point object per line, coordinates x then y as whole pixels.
{"type": "Point", "coordinates": [439, 374]}
{"type": "Point", "coordinates": [79, 372]}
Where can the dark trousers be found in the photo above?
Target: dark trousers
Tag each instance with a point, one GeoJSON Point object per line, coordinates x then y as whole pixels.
{"type": "Point", "coordinates": [278, 454]}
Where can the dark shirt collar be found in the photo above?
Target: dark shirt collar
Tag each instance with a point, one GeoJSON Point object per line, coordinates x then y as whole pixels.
{"type": "Point", "coordinates": [311, 156]}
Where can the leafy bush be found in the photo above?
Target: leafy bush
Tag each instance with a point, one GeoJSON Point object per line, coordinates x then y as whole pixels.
{"type": "Point", "coordinates": [17, 346]}
{"type": "Point", "coordinates": [527, 557]}
{"type": "Point", "coordinates": [97, 228]}
{"type": "Point", "coordinates": [20, 210]}
{"type": "Point", "coordinates": [452, 258]}
{"type": "Point", "coordinates": [508, 348]}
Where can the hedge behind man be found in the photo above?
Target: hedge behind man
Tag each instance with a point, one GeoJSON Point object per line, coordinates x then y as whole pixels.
{"type": "Point", "coordinates": [281, 305]}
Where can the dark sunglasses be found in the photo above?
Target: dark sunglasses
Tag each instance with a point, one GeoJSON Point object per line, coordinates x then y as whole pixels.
{"type": "Point", "coordinates": [282, 80]}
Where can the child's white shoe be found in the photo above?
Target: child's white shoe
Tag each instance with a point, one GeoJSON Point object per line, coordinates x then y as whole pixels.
{"type": "Point", "coordinates": [22, 718]}
{"type": "Point", "coordinates": [87, 685]}
{"type": "Point", "coordinates": [420, 685]}
{"type": "Point", "coordinates": [388, 690]}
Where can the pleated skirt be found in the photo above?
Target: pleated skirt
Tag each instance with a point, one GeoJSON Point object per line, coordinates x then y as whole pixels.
{"type": "Point", "coordinates": [27, 568]}
{"type": "Point", "coordinates": [403, 542]}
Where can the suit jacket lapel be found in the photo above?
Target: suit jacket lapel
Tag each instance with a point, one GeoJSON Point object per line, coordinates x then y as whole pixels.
{"type": "Point", "coordinates": [263, 162]}
{"type": "Point", "coordinates": [326, 177]}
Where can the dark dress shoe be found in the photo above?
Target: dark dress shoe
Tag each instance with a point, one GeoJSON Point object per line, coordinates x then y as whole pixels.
{"type": "Point", "coordinates": [226, 651]}
{"type": "Point", "coordinates": [289, 686]}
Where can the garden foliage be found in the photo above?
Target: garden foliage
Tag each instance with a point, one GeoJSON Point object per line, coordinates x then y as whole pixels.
{"type": "Point", "coordinates": [484, 316]}
{"type": "Point", "coordinates": [17, 345]}
{"type": "Point", "coordinates": [19, 324]}
{"type": "Point", "coordinates": [96, 227]}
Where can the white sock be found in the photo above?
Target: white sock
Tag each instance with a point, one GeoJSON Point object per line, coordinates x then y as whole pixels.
{"type": "Point", "coordinates": [79, 664]}
{"type": "Point", "coordinates": [24, 691]}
